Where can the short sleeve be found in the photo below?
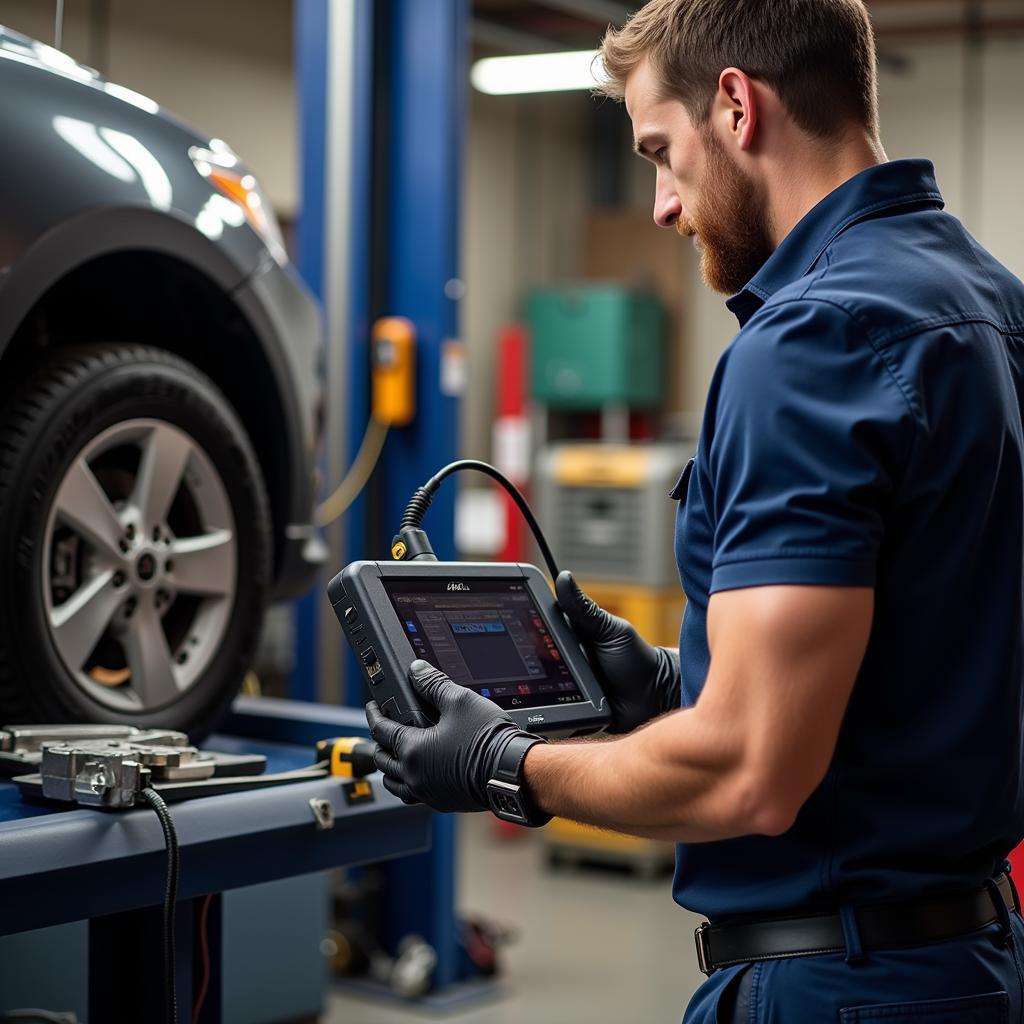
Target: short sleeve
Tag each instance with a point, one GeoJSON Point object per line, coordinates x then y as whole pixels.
{"type": "Point", "coordinates": [811, 435]}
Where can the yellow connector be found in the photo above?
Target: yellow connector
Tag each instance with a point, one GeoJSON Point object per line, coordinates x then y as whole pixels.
{"type": "Point", "coordinates": [350, 757]}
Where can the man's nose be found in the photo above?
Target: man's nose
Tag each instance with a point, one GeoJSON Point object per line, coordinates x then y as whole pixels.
{"type": "Point", "coordinates": [667, 207]}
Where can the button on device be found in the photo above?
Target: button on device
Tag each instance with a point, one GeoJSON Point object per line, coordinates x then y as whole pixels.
{"type": "Point", "coordinates": [351, 616]}
{"type": "Point", "coordinates": [372, 662]}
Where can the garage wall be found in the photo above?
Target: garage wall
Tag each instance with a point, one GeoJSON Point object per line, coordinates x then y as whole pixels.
{"type": "Point", "coordinates": [924, 113]}
{"type": "Point", "coordinates": [526, 197]}
{"type": "Point", "coordinates": [224, 67]}
{"type": "Point", "coordinates": [1002, 206]}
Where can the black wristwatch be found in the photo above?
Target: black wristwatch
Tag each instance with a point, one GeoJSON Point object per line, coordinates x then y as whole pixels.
{"type": "Point", "coordinates": [506, 792]}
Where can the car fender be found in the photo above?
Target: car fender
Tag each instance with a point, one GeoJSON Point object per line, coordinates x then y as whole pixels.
{"type": "Point", "coordinates": [100, 232]}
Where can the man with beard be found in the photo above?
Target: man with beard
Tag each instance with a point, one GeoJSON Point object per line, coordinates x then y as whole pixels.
{"type": "Point", "coordinates": [837, 744]}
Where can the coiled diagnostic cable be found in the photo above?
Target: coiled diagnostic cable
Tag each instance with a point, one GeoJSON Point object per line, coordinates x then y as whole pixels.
{"type": "Point", "coordinates": [411, 542]}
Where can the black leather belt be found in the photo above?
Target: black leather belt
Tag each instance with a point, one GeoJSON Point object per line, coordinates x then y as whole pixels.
{"type": "Point", "coordinates": [881, 926]}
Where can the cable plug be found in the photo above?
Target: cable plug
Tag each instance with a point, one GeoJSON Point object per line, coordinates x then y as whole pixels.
{"type": "Point", "coordinates": [411, 544]}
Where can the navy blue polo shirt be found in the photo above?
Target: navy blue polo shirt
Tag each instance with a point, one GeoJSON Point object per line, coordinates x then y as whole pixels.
{"type": "Point", "coordinates": [864, 429]}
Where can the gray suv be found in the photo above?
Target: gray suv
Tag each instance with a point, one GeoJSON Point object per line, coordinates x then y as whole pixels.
{"type": "Point", "coordinates": [161, 373]}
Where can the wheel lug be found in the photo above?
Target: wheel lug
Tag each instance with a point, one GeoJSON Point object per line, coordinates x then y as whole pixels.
{"type": "Point", "coordinates": [129, 607]}
{"type": "Point", "coordinates": [130, 531]}
{"type": "Point", "coordinates": [156, 533]}
{"type": "Point", "coordinates": [123, 545]}
{"type": "Point", "coordinates": [182, 657]}
{"type": "Point", "coordinates": [119, 578]}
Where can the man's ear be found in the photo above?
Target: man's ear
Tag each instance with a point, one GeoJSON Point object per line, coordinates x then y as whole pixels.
{"type": "Point", "coordinates": [735, 107]}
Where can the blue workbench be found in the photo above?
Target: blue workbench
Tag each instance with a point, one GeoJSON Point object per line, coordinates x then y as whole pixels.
{"type": "Point", "coordinates": [109, 867]}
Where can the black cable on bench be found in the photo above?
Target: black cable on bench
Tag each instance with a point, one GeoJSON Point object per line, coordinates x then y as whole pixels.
{"type": "Point", "coordinates": [153, 798]}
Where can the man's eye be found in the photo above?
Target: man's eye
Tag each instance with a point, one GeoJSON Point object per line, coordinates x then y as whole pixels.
{"type": "Point", "coordinates": [662, 155]}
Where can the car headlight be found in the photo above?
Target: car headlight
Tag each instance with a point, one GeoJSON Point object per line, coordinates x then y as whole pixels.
{"type": "Point", "coordinates": [223, 170]}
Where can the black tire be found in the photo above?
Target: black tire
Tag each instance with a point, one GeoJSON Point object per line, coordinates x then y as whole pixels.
{"type": "Point", "coordinates": [51, 415]}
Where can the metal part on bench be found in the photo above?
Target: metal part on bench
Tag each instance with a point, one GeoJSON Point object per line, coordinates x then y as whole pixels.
{"type": "Point", "coordinates": [111, 773]}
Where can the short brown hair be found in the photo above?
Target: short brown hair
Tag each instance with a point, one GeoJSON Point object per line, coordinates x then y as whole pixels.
{"type": "Point", "coordinates": [817, 55]}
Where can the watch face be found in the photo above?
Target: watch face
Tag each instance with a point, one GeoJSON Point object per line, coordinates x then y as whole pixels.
{"type": "Point", "coordinates": [506, 804]}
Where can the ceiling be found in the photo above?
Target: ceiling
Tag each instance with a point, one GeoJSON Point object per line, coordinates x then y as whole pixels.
{"type": "Point", "coordinates": [520, 26]}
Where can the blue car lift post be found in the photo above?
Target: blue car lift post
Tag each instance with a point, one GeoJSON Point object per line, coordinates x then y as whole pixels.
{"type": "Point", "coordinates": [401, 65]}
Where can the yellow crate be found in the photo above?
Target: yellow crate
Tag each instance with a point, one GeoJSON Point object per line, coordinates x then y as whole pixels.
{"type": "Point", "coordinates": [655, 613]}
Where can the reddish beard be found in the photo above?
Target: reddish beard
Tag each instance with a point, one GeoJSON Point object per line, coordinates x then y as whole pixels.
{"type": "Point", "coordinates": [731, 219]}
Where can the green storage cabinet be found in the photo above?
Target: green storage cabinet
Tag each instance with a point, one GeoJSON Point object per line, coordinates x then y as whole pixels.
{"type": "Point", "coordinates": [594, 345]}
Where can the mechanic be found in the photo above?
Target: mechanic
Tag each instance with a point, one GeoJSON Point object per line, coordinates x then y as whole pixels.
{"type": "Point", "coordinates": [844, 775]}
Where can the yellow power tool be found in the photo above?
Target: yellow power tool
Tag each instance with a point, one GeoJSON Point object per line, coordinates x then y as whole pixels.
{"type": "Point", "coordinates": [347, 757]}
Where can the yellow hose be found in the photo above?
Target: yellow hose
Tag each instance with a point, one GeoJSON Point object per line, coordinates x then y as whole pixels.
{"type": "Point", "coordinates": [355, 480]}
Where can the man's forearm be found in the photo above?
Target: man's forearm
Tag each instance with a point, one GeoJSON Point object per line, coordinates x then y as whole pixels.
{"type": "Point", "coordinates": [675, 779]}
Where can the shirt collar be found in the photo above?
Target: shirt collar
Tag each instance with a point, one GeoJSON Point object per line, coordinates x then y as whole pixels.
{"type": "Point", "coordinates": [882, 187]}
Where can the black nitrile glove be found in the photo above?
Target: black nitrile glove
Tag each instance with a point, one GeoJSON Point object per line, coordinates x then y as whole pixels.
{"type": "Point", "coordinates": [640, 681]}
{"type": "Point", "coordinates": [445, 766]}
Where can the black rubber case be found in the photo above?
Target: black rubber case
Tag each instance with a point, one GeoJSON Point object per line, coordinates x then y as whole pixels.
{"type": "Point", "coordinates": [384, 653]}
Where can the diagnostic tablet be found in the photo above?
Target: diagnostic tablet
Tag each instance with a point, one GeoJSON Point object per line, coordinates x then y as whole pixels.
{"type": "Point", "coordinates": [494, 628]}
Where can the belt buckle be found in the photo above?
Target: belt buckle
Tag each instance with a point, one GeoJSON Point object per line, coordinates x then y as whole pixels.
{"type": "Point", "coordinates": [700, 938]}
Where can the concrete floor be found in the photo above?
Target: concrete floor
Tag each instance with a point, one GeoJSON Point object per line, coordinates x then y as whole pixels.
{"type": "Point", "coordinates": [594, 946]}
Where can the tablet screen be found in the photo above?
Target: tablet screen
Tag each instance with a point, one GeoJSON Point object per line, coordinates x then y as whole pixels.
{"type": "Point", "coordinates": [486, 634]}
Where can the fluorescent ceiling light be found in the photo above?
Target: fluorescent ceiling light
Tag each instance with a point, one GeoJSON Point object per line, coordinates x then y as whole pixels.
{"type": "Point", "coordinates": [537, 72]}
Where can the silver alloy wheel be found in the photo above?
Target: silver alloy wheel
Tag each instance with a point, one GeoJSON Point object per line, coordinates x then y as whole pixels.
{"type": "Point", "coordinates": [139, 570]}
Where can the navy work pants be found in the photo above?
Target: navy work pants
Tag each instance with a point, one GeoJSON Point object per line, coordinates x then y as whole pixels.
{"type": "Point", "coordinates": [976, 979]}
